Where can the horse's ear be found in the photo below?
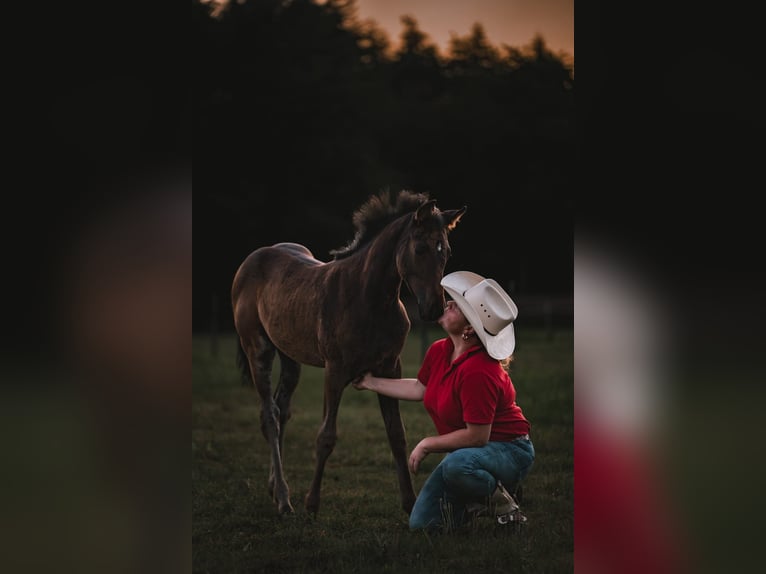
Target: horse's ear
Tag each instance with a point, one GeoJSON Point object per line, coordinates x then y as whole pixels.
{"type": "Point", "coordinates": [452, 217]}
{"type": "Point", "coordinates": [426, 210]}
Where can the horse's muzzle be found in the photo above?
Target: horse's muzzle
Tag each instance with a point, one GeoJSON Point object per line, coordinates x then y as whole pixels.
{"type": "Point", "coordinates": [431, 310]}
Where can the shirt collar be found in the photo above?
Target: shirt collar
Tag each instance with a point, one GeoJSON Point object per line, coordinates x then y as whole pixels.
{"type": "Point", "coordinates": [471, 351]}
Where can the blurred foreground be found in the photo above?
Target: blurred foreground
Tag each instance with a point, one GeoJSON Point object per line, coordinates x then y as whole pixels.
{"type": "Point", "coordinates": [667, 423]}
{"type": "Point", "coordinates": [95, 410]}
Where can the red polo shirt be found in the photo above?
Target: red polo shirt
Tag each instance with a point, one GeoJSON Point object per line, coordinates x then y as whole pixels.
{"type": "Point", "coordinates": [473, 389]}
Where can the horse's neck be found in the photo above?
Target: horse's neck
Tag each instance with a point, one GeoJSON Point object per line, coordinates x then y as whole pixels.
{"type": "Point", "coordinates": [379, 275]}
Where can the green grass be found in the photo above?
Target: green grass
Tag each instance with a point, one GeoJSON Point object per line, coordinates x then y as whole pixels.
{"type": "Point", "coordinates": [360, 526]}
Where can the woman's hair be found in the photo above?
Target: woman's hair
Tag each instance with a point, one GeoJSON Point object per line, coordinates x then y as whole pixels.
{"type": "Point", "coordinates": [505, 363]}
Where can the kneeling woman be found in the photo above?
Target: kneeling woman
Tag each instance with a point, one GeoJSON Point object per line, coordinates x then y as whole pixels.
{"type": "Point", "coordinates": [465, 387]}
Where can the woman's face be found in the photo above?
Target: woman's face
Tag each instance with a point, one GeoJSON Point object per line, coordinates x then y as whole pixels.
{"type": "Point", "coordinates": [452, 320]}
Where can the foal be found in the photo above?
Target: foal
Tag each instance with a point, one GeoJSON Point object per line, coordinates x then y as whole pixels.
{"type": "Point", "coordinates": [344, 315]}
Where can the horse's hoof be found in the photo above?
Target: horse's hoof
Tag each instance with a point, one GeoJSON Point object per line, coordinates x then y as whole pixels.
{"type": "Point", "coordinates": [312, 506]}
{"type": "Point", "coordinates": [286, 508]}
{"type": "Point", "coordinates": [408, 504]}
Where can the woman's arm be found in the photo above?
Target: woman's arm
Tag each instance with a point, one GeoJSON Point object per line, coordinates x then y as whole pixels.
{"type": "Point", "coordinates": [404, 389]}
{"type": "Point", "coordinates": [472, 435]}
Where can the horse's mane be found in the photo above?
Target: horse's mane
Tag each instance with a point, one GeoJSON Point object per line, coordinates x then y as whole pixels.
{"type": "Point", "coordinates": [377, 212]}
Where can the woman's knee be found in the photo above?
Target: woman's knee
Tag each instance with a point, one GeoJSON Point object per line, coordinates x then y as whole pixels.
{"type": "Point", "coordinates": [417, 523]}
{"type": "Point", "coordinates": [457, 464]}
{"type": "Point", "coordinates": [421, 521]}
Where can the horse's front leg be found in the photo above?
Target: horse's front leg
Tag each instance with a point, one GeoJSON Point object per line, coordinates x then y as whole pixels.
{"type": "Point", "coordinates": [334, 383]}
{"type": "Point", "coordinates": [397, 440]}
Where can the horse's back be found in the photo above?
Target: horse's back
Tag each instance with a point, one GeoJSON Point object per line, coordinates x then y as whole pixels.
{"type": "Point", "coordinates": [299, 251]}
{"type": "Point", "coordinates": [276, 289]}
{"type": "Point", "coordinates": [265, 263]}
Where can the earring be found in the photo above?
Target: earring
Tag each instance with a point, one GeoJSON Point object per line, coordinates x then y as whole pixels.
{"type": "Point", "coordinates": [466, 336]}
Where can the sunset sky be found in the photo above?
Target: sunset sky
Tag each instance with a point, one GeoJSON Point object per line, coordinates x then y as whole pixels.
{"type": "Point", "coordinates": [512, 22]}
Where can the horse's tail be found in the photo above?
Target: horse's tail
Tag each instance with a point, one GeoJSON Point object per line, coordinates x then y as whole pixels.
{"type": "Point", "coordinates": [244, 365]}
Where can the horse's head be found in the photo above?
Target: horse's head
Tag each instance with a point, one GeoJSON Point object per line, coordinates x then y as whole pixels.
{"type": "Point", "coordinates": [423, 254]}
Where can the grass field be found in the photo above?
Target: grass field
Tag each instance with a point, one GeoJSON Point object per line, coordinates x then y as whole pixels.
{"type": "Point", "coordinates": [360, 526]}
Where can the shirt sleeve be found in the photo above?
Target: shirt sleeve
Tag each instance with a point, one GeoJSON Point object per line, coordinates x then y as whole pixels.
{"type": "Point", "coordinates": [479, 395]}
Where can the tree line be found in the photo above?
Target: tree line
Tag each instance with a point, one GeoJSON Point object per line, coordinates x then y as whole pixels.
{"type": "Point", "coordinates": [301, 111]}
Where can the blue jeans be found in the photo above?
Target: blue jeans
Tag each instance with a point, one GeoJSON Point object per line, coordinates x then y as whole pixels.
{"type": "Point", "coordinates": [469, 475]}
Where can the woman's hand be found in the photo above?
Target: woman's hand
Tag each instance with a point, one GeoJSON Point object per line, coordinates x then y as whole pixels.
{"type": "Point", "coordinates": [362, 383]}
{"type": "Point", "coordinates": [417, 455]}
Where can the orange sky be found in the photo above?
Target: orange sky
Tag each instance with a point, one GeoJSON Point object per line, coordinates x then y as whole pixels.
{"type": "Point", "coordinates": [512, 22]}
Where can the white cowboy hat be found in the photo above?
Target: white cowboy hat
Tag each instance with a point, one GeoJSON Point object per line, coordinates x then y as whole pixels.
{"type": "Point", "coordinates": [488, 308]}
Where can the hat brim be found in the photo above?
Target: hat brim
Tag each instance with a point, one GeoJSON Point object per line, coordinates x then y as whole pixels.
{"type": "Point", "coordinates": [499, 346]}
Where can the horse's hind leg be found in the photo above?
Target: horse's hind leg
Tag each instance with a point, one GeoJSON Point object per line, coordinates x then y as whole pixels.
{"type": "Point", "coordinates": [289, 375]}
{"type": "Point", "coordinates": [260, 354]}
